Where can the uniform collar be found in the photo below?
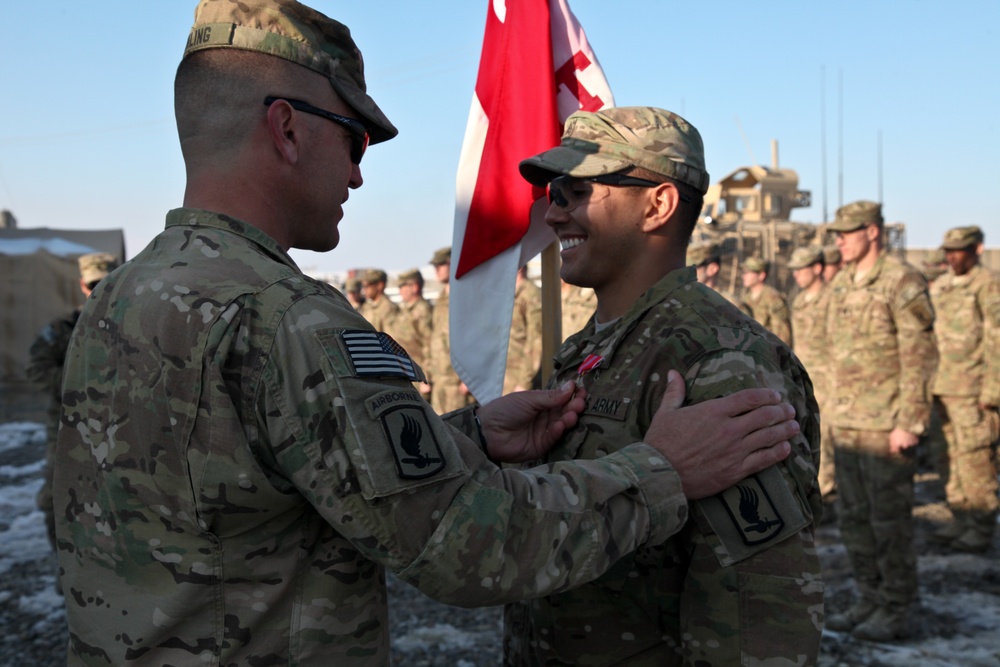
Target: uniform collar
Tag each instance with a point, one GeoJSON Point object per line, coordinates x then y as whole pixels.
{"type": "Point", "coordinates": [196, 217]}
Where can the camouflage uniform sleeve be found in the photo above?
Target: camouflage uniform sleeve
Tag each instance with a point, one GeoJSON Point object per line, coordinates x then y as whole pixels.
{"type": "Point", "coordinates": [417, 496]}
{"type": "Point", "coordinates": [914, 320]}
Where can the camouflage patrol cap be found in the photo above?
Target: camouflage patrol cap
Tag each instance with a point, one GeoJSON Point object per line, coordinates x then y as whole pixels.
{"type": "Point", "coordinates": [352, 285]}
{"type": "Point", "coordinates": [374, 276]}
{"type": "Point", "coordinates": [411, 276]}
{"type": "Point", "coordinates": [96, 265]}
{"type": "Point", "coordinates": [807, 256]}
{"type": "Point", "coordinates": [298, 34]}
{"type": "Point", "coordinates": [960, 238]}
{"type": "Point", "coordinates": [612, 140]}
{"type": "Point", "coordinates": [854, 216]}
{"type": "Point", "coordinates": [702, 253]}
{"type": "Point", "coordinates": [934, 258]}
{"type": "Point", "coordinates": [831, 255]}
{"type": "Point", "coordinates": [755, 265]}
{"type": "Point", "coordinates": [441, 256]}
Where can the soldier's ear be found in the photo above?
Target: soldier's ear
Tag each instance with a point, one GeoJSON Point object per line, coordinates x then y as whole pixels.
{"type": "Point", "coordinates": [661, 204]}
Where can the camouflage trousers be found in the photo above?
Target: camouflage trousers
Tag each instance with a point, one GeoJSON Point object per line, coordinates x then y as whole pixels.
{"type": "Point", "coordinates": [972, 436]}
{"type": "Point", "coordinates": [875, 509]}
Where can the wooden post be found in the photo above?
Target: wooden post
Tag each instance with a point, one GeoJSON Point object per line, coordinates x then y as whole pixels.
{"type": "Point", "coordinates": [551, 309]}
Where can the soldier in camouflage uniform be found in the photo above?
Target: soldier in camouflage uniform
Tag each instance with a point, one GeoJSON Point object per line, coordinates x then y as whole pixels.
{"type": "Point", "coordinates": [967, 387]}
{"type": "Point", "coordinates": [765, 302]}
{"type": "Point", "coordinates": [46, 358]}
{"type": "Point", "coordinates": [448, 392]}
{"type": "Point", "coordinates": [934, 265]}
{"type": "Point", "coordinates": [241, 456]}
{"type": "Point", "coordinates": [707, 260]}
{"type": "Point", "coordinates": [420, 312]}
{"type": "Point", "coordinates": [809, 333]}
{"type": "Point", "coordinates": [578, 304]}
{"type": "Point", "coordinates": [524, 347]}
{"type": "Point", "coordinates": [882, 355]}
{"type": "Point", "coordinates": [832, 261]}
{"type": "Point", "coordinates": [741, 583]}
{"type": "Point", "coordinates": [381, 311]}
{"type": "Point", "coordinates": [355, 295]}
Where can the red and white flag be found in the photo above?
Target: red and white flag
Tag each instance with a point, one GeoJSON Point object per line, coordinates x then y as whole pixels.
{"type": "Point", "coordinates": [535, 70]}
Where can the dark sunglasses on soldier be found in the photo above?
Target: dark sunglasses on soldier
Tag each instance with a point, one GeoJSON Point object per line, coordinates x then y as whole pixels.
{"type": "Point", "coordinates": [568, 192]}
{"type": "Point", "coordinates": [359, 133]}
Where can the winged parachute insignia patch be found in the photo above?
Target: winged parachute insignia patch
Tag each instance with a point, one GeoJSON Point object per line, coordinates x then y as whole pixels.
{"type": "Point", "coordinates": [751, 509]}
{"type": "Point", "coordinates": [416, 450]}
{"type": "Point", "coordinates": [376, 354]}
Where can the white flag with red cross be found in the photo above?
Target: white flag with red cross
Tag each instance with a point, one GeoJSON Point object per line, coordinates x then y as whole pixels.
{"type": "Point", "coordinates": [536, 69]}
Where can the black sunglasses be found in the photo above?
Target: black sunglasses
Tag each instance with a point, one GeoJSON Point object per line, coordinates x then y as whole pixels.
{"type": "Point", "coordinates": [359, 133]}
{"type": "Point", "coordinates": [561, 193]}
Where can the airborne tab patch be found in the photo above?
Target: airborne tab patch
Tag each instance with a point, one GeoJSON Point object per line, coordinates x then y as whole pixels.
{"type": "Point", "coordinates": [416, 450]}
{"type": "Point", "coordinates": [376, 354]}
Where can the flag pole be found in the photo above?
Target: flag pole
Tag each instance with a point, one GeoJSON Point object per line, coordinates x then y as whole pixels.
{"type": "Point", "coordinates": [551, 309]}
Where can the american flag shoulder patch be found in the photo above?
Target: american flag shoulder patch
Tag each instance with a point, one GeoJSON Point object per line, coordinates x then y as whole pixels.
{"type": "Point", "coordinates": [376, 354]}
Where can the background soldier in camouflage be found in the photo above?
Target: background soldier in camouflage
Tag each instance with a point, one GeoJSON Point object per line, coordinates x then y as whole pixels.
{"type": "Point", "coordinates": [879, 324]}
{"type": "Point", "coordinates": [809, 333]}
{"type": "Point", "coordinates": [241, 454]}
{"type": "Point", "coordinates": [448, 392]}
{"type": "Point", "coordinates": [578, 304]}
{"type": "Point", "coordinates": [967, 387]}
{"type": "Point", "coordinates": [707, 260]}
{"type": "Point", "coordinates": [47, 356]}
{"type": "Point", "coordinates": [934, 265]}
{"type": "Point", "coordinates": [741, 583]}
{"type": "Point", "coordinates": [524, 347]}
{"type": "Point", "coordinates": [420, 312]}
{"type": "Point", "coordinates": [766, 303]}
{"type": "Point", "coordinates": [355, 295]}
{"type": "Point", "coordinates": [832, 262]}
{"type": "Point", "coordinates": [381, 311]}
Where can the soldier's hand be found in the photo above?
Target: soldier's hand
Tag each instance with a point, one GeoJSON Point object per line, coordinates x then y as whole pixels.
{"type": "Point", "coordinates": [900, 440]}
{"type": "Point", "coordinates": [522, 426]}
{"type": "Point", "coordinates": [715, 444]}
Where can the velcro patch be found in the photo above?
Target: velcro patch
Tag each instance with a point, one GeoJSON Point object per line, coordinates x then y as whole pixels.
{"type": "Point", "coordinates": [751, 509]}
{"type": "Point", "coordinates": [610, 408]}
{"type": "Point", "coordinates": [415, 448]}
{"type": "Point", "coordinates": [376, 354]}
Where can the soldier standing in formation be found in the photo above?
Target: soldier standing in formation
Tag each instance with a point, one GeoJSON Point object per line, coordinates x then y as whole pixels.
{"type": "Point", "coordinates": [766, 303]}
{"type": "Point", "coordinates": [524, 347]}
{"type": "Point", "coordinates": [879, 327]}
{"type": "Point", "coordinates": [47, 356]}
{"type": "Point", "coordinates": [707, 260]}
{"type": "Point", "coordinates": [419, 310]}
{"type": "Point", "coordinates": [448, 392]}
{"type": "Point", "coordinates": [355, 295]}
{"type": "Point", "coordinates": [381, 311]}
{"type": "Point", "coordinates": [967, 388]}
{"type": "Point", "coordinates": [741, 584]}
{"type": "Point", "coordinates": [242, 456]}
{"type": "Point", "coordinates": [809, 333]}
{"type": "Point", "coordinates": [934, 265]}
{"type": "Point", "coordinates": [832, 262]}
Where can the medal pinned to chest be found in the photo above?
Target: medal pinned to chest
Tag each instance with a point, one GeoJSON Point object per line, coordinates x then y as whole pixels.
{"type": "Point", "coordinates": [591, 363]}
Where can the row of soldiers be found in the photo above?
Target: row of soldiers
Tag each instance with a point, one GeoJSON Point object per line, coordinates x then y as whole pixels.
{"type": "Point", "coordinates": [884, 348]}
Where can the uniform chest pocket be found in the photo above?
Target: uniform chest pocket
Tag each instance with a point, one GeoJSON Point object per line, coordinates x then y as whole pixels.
{"type": "Point", "coordinates": [869, 311]}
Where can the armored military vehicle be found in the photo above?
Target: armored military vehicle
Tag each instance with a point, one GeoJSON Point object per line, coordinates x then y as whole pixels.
{"type": "Point", "coordinates": [748, 213]}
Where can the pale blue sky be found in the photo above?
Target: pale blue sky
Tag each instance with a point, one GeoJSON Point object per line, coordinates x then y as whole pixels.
{"type": "Point", "coordinates": [87, 137]}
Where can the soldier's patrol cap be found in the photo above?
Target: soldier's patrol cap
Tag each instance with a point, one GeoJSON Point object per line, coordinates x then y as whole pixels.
{"type": "Point", "coordinates": [960, 238]}
{"type": "Point", "coordinates": [296, 33]}
{"type": "Point", "coordinates": [755, 265]}
{"type": "Point", "coordinates": [858, 214]}
{"type": "Point", "coordinates": [96, 265]}
{"type": "Point", "coordinates": [935, 257]}
{"type": "Point", "coordinates": [703, 253]}
{"type": "Point", "coordinates": [617, 138]}
{"type": "Point", "coordinates": [831, 255]}
{"type": "Point", "coordinates": [807, 256]}
{"type": "Point", "coordinates": [352, 285]}
{"type": "Point", "coordinates": [411, 276]}
{"type": "Point", "coordinates": [441, 256]}
{"type": "Point", "coordinates": [374, 276]}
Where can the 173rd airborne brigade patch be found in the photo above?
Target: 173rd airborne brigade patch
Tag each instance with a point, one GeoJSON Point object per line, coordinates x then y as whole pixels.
{"type": "Point", "coordinates": [402, 412]}
{"type": "Point", "coordinates": [750, 516]}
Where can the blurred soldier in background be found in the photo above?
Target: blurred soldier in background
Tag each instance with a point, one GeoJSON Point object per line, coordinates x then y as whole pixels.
{"type": "Point", "coordinates": [707, 260]}
{"type": "Point", "coordinates": [353, 292]}
{"type": "Point", "coordinates": [419, 310]}
{"type": "Point", "coordinates": [879, 328]}
{"type": "Point", "coordinates": [967, 388]}
{"type": "Point", "coordinates": [765, 302]}
{"type": "Point", "coordinates": [809, 333]}
{"type": "Point", "coordinates": [832, 261]}
{"type": "Point", "coordinates": [448, 392]}
{"type": "Point", "coordinates": [934, 265]}
{"type": "Point", "coordinates": [45, 367]}
{"type": "Point", "coordinates": [381, 311]}
{"type": "Point", "coordinates": [524, 347]}
{"type": "Point", "coordinates": [578, 304]}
